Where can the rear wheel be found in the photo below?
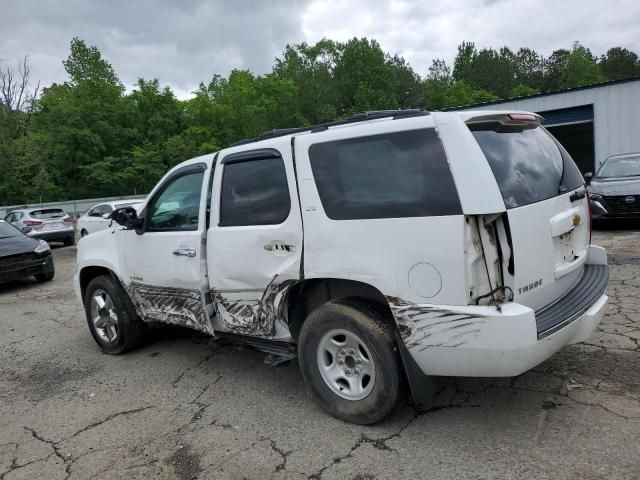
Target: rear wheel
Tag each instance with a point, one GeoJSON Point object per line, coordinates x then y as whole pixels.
{"type": "Point", "coordinates": [112, 319]}
{"type": "Point", "coordinates": [349, 362]}
{"type": "Point", "coordinates": [83, 233]}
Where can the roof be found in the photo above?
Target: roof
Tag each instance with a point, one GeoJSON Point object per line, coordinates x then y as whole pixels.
{"type": "Point", "coordinates": [546, 94]}
{"type": "Point", "coordinates": [355, 118]}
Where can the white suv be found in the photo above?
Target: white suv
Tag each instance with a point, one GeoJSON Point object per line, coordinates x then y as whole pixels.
{"type": "Point", "coordinates": [394, 246]}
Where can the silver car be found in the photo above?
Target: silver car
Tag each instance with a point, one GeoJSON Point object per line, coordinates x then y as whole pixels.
{"type": "Point", "coordinates": [50, 224]}
{"type": "Point", "coordinates": [615, 188]}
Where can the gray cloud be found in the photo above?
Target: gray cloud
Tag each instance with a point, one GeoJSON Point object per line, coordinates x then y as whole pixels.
{"type": "Point", "coordinates": [183, 43]}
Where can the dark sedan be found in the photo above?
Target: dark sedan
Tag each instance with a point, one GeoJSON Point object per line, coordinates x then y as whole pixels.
{"type": "Point", "coordinates": [615, 188]}
{"type": "Point", "coordinates": [22, 256]}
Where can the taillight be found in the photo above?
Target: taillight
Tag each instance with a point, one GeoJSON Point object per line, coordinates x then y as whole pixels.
{"type": "Point", "coordinates": [32, 223]}
{"type": "Point", "coordinates": [589, 210]}
{"type": "Point", "coordinates": [68, 219]}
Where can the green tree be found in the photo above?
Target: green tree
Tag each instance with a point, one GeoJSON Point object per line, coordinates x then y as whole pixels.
{"type": "Point", "coordinates": [462, 63]}
{"type": "Point", "coordinates": [619, 63]}
{"type": "Point", "coordinates": [554, 70]}
{"type": "Point", "coordinates": [311, 69]}
{"type": "Point", "coordinates": [365, 80]}
{"type": "Point", "coordinates": [581, 69]}
{"type": "Point", "coordinates": [522, 90]}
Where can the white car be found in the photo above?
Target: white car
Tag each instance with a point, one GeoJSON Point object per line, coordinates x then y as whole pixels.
{"type": "Point", "coordinates": [95, 219]}
{"type": "Point", "coordinates": [390, 247]}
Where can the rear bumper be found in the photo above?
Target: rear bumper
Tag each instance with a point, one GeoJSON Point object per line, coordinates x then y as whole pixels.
{"type": "Point", "coordinates": [483, 342]}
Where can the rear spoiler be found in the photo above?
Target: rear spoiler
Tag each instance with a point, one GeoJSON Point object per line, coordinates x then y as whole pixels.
{"type": "Point", "coordinates": [507, 119]}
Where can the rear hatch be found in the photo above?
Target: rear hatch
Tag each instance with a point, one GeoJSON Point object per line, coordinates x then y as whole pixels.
{"type": "Point", "coordinates": [547, 219]}
{"type": "Point", "coordinates": [52, 219]}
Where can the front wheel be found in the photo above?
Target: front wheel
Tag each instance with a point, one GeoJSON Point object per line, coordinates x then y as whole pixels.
{"type": "Point", "coordinates": [348, 360]}
{"type": "Point", "coordinates": [112, 319]}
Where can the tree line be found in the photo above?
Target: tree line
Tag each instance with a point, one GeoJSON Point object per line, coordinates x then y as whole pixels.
{"type": "Point", "coordinates": [88, 137]}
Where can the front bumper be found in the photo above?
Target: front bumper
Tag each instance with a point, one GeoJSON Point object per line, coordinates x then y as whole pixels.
{"type": "Point", "coordinates": [483, 342]}
{"type": "Point", "coordinates": [54, 235]}
{"type": "Point", "coordinates": [25, 266]}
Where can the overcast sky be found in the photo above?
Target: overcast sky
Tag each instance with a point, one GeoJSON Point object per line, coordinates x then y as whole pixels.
{"type": "Point", "coordinates": [183, 42]}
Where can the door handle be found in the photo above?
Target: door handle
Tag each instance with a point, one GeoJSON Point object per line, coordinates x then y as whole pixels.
{"type": "Point", "coordinates": [184, 252]}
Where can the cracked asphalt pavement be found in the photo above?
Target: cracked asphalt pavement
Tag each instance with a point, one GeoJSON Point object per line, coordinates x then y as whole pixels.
{"type": "Point", "coordinates": [180, 408]}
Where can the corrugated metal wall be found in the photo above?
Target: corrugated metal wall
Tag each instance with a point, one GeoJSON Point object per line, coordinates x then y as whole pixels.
{"type": "Point", "coordinates": [616, 109]}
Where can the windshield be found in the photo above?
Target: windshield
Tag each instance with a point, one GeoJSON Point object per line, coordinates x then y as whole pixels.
{"type": "Point", "coordinates": [627, 166]}
{"type": "Point", "coordinates": [7, 230]}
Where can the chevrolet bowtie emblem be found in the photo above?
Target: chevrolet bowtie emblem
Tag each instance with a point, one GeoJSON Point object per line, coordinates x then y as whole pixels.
{"type": "Point", "coordinates": [576, 219]}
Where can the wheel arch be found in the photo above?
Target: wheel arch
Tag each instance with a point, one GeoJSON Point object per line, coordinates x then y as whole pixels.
{"type": "Point", "coordinates": [307, 295]}
{"type": "Point", "coordinates": [90, 272]}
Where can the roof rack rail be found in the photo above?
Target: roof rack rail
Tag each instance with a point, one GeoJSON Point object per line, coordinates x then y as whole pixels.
{"type": "Point", "coordinates": [355, 118]}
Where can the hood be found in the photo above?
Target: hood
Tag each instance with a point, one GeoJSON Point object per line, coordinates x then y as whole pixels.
{"type": "Point", "coordinates": [615, 186]}
{"type": "Point", "coordinates": [16, 245]}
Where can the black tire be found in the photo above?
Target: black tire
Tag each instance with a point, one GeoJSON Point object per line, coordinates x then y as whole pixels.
{"type": "Point", "coordinates": [131, 330]}
{"type": "Point", "coordinates": [83, 233]}
{"type": "Point", "coordinates": [70, 241]}
{"type": "Point", "coordinates": [45, 277]}
{"type": "Point", "coordinates": [375, 331]}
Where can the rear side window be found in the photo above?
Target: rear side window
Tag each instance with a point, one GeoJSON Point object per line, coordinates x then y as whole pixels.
{"type": "Point", "coordinates": [47, 213]}
{"type": "Point", "coordinates": [400, 174]}
{"type": "Point", "coordinates": [254, 192]}
{"type": "Point", "coordinates": [528, 164]}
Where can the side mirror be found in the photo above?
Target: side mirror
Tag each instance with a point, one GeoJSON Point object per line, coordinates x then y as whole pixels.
{"type": "Point", "coordinates": [138, 225]}
{"type": "Point", "coordinates": [26, 230]}
{"type": "Point", "coordinates": [587, 177]}
{"type": "Point", "coordinates": [125, 216]}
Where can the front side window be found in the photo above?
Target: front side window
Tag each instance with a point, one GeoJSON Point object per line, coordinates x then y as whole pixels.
{"type": "Point", "coordinates": [400, 174]}
{"type": "Point", "coordinates": [177, 206]}
{"type": "Point", "coordinates": [254, 192]}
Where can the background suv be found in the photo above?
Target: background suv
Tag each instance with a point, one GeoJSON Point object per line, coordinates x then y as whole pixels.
{"type": "Point", "coordinates": [50, 224]}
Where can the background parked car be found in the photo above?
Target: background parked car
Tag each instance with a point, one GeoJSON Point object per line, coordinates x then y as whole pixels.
{"type": "Point", "coordinates": [22, 256]}
{"type": "Point", "coordinates": [50, 224]}
{"type": "Point", "coordinates": [94, 220]}
{"type": "Point", "coordinates": [615, 188]}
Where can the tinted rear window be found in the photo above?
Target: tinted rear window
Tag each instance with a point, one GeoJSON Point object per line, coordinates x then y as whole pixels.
{"type": "Point", "coordinates": [529, 165]}
{"type": "Point", "coordinates": [48, 213]}
{"type": "Point", "coordinates": [401, 174]}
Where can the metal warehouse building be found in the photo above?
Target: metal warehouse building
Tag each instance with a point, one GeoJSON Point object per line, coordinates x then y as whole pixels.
{"type": "Point", "coordinates": [592, 122]}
